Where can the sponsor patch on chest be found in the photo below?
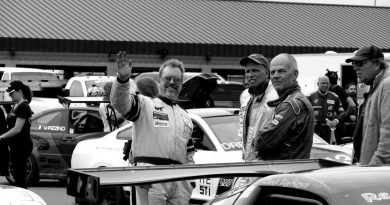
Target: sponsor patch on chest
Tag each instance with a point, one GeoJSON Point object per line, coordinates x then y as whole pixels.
{"type": "Point", "coordinates": [160, 119]}
{"type": "Point", "coordinates": [330, 102]}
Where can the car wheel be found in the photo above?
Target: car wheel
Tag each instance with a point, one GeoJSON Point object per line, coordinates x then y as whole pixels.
{"type": "Point", "coordinates": [32, 177]}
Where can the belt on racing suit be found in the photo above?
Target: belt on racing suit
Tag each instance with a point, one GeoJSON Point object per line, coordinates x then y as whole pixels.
{"type": "Point", "coordinates": [155, 160]}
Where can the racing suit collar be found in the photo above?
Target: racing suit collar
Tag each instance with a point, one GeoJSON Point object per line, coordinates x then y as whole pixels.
{"type": "Point", "coordinates": [323, 94]}
{"type": "Point", "coordinates": [290, 90]}
{"type": "Point", "coordinates": [167, 101]}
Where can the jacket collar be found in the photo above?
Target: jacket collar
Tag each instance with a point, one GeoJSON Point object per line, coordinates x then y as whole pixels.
{"type": "Point", "coordinates": [289, 91]}
{"type": "Point", "coordinates": [167, 101]}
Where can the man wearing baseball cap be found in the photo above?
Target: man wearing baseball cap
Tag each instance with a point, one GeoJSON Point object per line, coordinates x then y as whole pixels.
{"type": "Point", "coordinates": [255, 112]}
{"type": "Point", "coordinates": [372, 134]}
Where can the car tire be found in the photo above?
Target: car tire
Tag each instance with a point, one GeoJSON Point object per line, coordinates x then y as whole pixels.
{"type": "Point", "coordinates": [32, 177]}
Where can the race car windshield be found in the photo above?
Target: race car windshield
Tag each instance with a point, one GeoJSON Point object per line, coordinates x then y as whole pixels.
{"type": "Point", "coordinates": [226, 130]}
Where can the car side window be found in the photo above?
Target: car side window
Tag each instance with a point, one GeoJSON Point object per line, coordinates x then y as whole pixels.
{"type": "Point", "coordinates": [50, 122]}
{"type": "Point", "coordinates": [201, 141]}
{"type": "Point", "coordinates": [76, 89]}
{"type": "Point", "coordinates": [86, 122]}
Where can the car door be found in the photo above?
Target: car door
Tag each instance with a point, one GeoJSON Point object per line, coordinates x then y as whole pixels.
{"type": "Point", "coordinates": [83, 124]}
{"type": "Point", "coordinates": [47, 130]}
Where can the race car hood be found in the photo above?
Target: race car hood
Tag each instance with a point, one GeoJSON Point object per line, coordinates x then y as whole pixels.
{"type": "Point", "coordinates": [196, 91]}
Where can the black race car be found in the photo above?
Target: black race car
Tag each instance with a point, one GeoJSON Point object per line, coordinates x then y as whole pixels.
{"type": "Point", "coordinates": [55, 133]}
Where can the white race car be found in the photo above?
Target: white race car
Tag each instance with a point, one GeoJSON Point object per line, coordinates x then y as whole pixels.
{"type": "Point", "coordinates": [215, 138]}
{"type": "Point", "coordinates": [15, 195]}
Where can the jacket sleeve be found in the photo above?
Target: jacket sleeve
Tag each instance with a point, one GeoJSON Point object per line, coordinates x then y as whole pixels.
{"type": "Point", "coordinates": [339, 111]}
{"type": "Point", "coordinates": [275, 131]}
{"type": "Point", "coordinates": [382, 153]}
{"type": "Point", "coordinates": [190, 152]}
{"type": "Point", "coordinates": [127, 105]}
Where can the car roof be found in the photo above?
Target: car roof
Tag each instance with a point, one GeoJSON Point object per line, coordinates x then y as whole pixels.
{"type": "Point", "coordinates": [19, 70]}
{"type": "Point", "coordinates": [187, 75]}
{"type": "Point", "coordinates": [344, 183]}
{"type": "Point", "coordinates": [87, 108]}
{"type": "Point", "coordinates": [214, 112]}
{"type": "Point", "coordinates": [93, 77]}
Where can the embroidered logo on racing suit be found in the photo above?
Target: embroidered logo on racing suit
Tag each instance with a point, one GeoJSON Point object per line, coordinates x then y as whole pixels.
{"type": "Point", "coordinates": [160, 119]}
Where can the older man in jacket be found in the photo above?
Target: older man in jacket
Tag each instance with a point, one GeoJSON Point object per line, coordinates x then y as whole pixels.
{"type": "Point", "coordinates": [372, 135]}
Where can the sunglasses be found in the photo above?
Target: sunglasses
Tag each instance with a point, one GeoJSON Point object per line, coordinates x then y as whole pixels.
{"type": "Point", "coordinates": [11, 93]}
{"type": "Point", "coordinates": [168, 79]}
{"type": "Point", "coordinates": [359, 63]}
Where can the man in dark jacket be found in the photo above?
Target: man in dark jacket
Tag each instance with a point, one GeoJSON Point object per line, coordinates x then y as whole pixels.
{"type": "Point", "coordinates": [290, 134]}
{"type": "Point", "coordinates": [328, 110]}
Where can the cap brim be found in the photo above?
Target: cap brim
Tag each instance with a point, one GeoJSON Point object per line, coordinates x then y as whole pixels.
{"type": "Point", "coordinates": [245, 61]}
{"type": "Point", "coordinates": [356, 58]}
{"type": "Point", "coordinates": [10, 90]}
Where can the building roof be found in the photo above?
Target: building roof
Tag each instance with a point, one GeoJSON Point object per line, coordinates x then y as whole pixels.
{"type": "Point", "coordinates": [104, 25]}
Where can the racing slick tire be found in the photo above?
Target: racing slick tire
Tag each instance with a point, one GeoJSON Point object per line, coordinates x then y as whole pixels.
{"type": "Point", "coordinates": [32, 177]}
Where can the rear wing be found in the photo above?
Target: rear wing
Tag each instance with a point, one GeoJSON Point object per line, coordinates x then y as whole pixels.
{"type": "Point", "coordinates": [110, 112]}
{"type": "Point", "coordinates": [85, 183]}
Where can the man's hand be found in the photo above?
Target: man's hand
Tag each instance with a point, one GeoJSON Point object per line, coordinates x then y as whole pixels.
{"type": "Point", "coordinates": [332, 124]}
{"type": "Point", "coordinates": [124, 65]}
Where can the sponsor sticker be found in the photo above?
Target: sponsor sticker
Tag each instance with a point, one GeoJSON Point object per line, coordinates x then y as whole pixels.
{"type": "Point", "coordinates": [160, 119]}
{"type": "Point", "coordinates": [275, 122]}
{"type": "Point", "coordinates": [330, 102]}
{"type": "Point", "coordinates": [371, 197]}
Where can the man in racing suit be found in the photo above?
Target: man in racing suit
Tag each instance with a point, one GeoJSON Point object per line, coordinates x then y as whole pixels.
{"type": "Point", "coordinates": [290, 133]}
{"type": "Point", "coordinates": [162, 129]}
{"type": "Point", "coordinates": [255, 112]}
{"type": "Point", "coordinates": [328, 110]}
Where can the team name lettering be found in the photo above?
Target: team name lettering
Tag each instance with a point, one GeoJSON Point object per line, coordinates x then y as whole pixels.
{"type": "Point", "coordinates": [54, 128]}
{"type": "Point", "coordinates": [371, 197]}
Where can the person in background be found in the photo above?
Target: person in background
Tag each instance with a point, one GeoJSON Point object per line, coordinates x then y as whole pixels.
{"type": "Point", "coordinates": [111, 119]}
{"type": "Point", "coordinates": [328, 110]}
{"type": "Point", "coordinates": [4, 151]}
{"type": "Point", "coordinates": [147, 86]}
{"type": "Point", "coordinates": [18, 136]}
{"type": "Point", "coordinates": [255, 112]}
{"type": "Point", "coordinates": [350, 121]}
{"type": "Point", "coordinates": [290, 133]}
{"type": "Point", "coordinates": [162, 129]}
{"type": "Point", "coordinates": [348, 104]}
{"type": "Point", "coordinates": [372, 135]}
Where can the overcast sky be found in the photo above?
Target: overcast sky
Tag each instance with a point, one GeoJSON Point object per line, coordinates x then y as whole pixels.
{"type": "Point", "coordinates": [347, 2]}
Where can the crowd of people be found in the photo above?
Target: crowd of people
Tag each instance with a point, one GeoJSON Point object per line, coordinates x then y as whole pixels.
{"type": "Point", "coordinates": [277, 121]}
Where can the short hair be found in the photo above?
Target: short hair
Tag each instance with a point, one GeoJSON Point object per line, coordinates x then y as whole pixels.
{"type": "Point", "coordinates": [349, 85]}
{"type": "Point", "coordinates": [147, 86]}
{"type": "Point", "coordinates": [292, 61]}
{"type": "Point", "coordinates": [174, 63]}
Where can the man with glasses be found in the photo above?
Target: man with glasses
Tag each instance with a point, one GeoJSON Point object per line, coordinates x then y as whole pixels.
{"type": "Point", "coordinates": [372, 135]}
{"type": "Point", "coordinates": [161, 129]}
